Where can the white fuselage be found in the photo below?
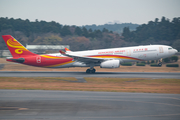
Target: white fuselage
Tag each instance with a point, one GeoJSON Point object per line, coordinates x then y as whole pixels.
{"type": "Point", "coordinates": [124, 54]}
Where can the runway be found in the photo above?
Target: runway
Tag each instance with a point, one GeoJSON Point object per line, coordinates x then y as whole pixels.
{"type": "Point", "coordinates": [69, 105]}
{"type": "Point", "coordinates": [83, 74]}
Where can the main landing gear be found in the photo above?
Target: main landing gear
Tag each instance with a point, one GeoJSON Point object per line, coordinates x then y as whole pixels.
{"type": "Point", "coordinates": [91, 70]}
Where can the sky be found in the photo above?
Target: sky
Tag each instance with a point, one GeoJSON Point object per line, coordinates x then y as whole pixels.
{"type": "Point", "coordinates": [88, 12]}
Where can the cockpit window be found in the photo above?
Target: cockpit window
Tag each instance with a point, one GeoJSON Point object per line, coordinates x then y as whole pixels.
{"type": "Point", "coordinates": [170, 48]}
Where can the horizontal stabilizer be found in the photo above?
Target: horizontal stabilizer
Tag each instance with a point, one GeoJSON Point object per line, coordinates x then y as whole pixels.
{"type": "Point", "coordinates": [62, 52]}
{"type": "Point", "coordinates": [19, 60]}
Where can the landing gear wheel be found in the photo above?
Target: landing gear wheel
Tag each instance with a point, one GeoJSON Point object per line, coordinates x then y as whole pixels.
{"type": "Point", "coordinates": [91, 71]}
{"type": "Point", "coordinates": [88, 71]}
{"type": "Point", "coordinates": [160, 64]}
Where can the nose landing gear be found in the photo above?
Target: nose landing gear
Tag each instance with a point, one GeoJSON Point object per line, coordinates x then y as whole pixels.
{"type": "Point", "coordinates": [160, 62]}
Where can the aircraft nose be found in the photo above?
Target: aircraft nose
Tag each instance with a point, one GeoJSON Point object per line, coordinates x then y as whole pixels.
{"type": "Point", "coordinates": [175, 51]}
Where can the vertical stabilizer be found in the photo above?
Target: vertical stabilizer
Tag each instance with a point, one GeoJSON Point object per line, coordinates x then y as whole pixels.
{"type": "Point", "coordinates": [16, 48]}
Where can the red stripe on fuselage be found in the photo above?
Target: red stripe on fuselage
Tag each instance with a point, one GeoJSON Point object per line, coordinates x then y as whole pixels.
{"type": "Point", "coordinates": [114, 56]}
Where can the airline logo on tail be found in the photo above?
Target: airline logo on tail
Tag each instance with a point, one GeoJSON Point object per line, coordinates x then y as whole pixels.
{"type": "Point", "coordinates": [15, 47]}
{"type": "Point", "coordinates": [18, 48]}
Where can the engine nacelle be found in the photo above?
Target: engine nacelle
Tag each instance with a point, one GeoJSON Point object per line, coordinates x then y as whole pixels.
{"type": "Point", "coordinates": [110, 64]}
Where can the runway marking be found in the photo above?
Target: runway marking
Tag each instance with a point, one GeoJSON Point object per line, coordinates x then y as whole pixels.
{"type": "Point", "coordinates": [12, 108]}
{"type": "Point", "coordinates": [110, 117]}
{"type": "Point", "coordinates": [130, 101]}
{"type": "Point", "coordinates": [147, 97]}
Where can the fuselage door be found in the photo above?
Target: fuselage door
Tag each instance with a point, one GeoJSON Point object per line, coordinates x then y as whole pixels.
{"type": "Point", "coordinates": [161, 50]}
{"type": "Point", "coordinates": [128, 52]}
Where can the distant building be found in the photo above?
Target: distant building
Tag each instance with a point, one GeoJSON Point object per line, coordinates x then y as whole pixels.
{"type": "Point", "coordinates": [39, 49]}
{"type": "Point", "coordinates": [5, 53]}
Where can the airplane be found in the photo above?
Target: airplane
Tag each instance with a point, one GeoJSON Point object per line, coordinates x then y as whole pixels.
{"type": "Point", "coordinates": [105, 58]}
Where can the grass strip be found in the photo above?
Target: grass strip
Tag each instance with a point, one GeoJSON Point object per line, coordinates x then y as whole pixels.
{"type": "Point", "coordinates": [142, 85]}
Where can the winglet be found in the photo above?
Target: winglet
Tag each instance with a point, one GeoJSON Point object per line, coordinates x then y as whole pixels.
{"type": "Point", "coordinates": [64, 52]}
{"type": "Point", "coordinates": [67, 50]}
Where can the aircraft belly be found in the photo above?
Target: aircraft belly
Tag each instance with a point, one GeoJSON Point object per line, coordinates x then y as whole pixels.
{"type": "Point", "coordinates": [79, 64]}
{"type": "Point", "coordinates": [64, 66]}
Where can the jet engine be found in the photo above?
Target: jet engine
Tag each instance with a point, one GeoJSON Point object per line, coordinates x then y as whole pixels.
{"type": "Point", "coordinates": [110, 64]}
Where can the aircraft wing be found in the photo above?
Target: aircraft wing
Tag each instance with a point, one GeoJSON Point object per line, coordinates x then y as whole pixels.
{"type": "Point", "coordinates": [84, 59]}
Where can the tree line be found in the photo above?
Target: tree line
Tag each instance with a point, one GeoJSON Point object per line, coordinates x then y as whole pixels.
{"type": "Point", "coordinates": [52, 33]}
{"type": "Point", "coordinates": [158, 31]}
{"type": "Point", "coordinates": [116, 27]}
{"type": "Point", "coordinates": [28, 28]}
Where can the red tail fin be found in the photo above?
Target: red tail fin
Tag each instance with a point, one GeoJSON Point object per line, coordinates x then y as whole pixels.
{"type": "Point", "coordinates": [15, 47]}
